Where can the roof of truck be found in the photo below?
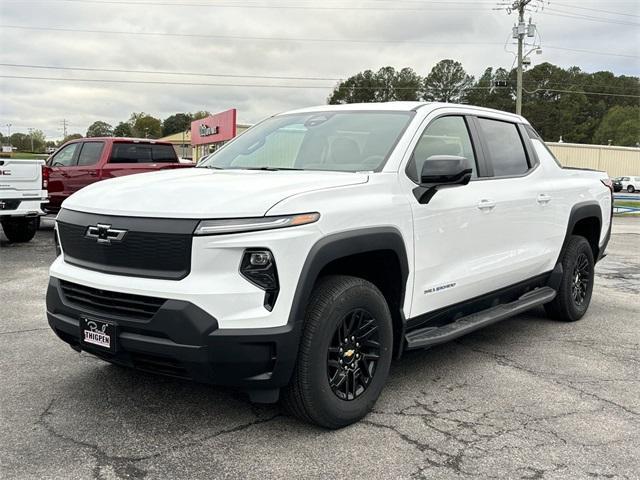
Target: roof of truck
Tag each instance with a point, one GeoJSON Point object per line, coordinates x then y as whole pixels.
{"type": "Point", "coordinates": [398, 107]}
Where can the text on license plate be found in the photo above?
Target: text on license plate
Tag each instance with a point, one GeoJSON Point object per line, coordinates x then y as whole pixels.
{"type": "Point", "coordinates": [97, 338]}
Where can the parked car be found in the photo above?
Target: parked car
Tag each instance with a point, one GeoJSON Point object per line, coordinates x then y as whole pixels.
{"type": "Point", "coordinates": [630, 184]}
{"type": "Point", "coordinates": [82, 162]}
{"type": "Point", "coordinates": [617, 184]}
{"type": "Point", "coordinates": [299, 259]}
{"type": "Point", "coordinates": [23, 189]}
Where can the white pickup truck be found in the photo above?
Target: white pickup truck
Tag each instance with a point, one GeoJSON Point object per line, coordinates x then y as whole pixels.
{"type": "Point", "coordinates": [306, 253]}
{"type": "Point", "coordinates": [23, 189]}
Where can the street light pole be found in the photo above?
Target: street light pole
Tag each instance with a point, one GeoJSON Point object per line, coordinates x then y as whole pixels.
{"type": "Point", "coordinates": [31, 136]}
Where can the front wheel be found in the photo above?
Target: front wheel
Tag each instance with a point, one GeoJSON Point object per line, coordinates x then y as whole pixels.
{"type": "Point", "coordinates": [20, 229]}
{"type": "Point", "coordinates": [576, 286]}
{"type": "Point", "coordinates": [345, 353]}
{"type": "Point", "coordinates": [631, 189]}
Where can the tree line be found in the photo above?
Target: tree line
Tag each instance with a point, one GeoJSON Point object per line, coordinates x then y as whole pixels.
{"type": "Point", "coordinates": [140, 125]}
{"type": "Point", "coordinates": [567, 104]}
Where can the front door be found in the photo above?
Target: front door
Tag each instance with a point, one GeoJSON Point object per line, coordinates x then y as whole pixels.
{"type": "Point", "coordinates": [455, 244]}
{"type": "Point", "coordinates": [61, 166]}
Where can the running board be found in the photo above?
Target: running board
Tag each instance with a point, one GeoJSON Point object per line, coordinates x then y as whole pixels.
{"type": "Point", "coordinates": [426, 337]}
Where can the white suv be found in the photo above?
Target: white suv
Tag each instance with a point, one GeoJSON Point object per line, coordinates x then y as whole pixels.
{"type": "Point", "coordinates": [299, 259]}
{"type": "Point", "coordinates": [630, 184]}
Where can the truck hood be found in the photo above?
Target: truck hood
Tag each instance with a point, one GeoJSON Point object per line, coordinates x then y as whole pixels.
{"type": "Point", "coordinates": [203, 192]}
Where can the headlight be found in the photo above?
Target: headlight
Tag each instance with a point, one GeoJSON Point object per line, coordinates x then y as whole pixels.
{"type": "Point", "coordinates": [237, 225]}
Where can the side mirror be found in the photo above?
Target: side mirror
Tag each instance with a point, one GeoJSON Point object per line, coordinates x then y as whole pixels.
{"type": "Point", "coordinates": [440, 171]}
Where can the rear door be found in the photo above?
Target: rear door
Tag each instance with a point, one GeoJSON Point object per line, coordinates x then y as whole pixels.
{"type": "Point", "coordinates": [522, 231]}
{"type": "Point", "coordinates": [87, 169]}
{"type": "Point", "coordinates": [62, 164]}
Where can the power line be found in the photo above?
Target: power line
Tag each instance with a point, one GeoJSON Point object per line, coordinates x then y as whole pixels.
{"type": "Point", "coordinates": [165, 72]}
{"type": "Point", "coordinates": [294, 39]}
{"type": "Point", "coordinates": [249, 85]}
{"type": "Point", "coordinates": [460, 5]}
{"type": "Point", "coordinates": [577, 16]}
{"type": "Point", "coordinates": [596, 10]}
{"type": "Point", "coordinates": [266, 77]}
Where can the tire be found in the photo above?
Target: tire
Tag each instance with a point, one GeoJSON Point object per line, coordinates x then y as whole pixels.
{"type": "Point", "coordinates": [576, 286]}
{"type": "Point", "coordinates": [20, 230]}
{"type": "Point", "coordinates": [336, 302]}
{"type": "Point", "coordinates": [630, 189]}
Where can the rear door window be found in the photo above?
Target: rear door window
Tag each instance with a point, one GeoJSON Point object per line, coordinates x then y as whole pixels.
{"type": "Point", "coordinates": [505, 148]}
{"type": "Point", "coordinates": [142, 153]}
{"type": "Point", "coordinates": [90, 153]}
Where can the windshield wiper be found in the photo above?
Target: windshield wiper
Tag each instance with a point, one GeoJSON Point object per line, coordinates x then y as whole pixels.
{"type": "Point", "coordinates": [270, 169]}
{"type": "Point", "coordinates": [214, 167]}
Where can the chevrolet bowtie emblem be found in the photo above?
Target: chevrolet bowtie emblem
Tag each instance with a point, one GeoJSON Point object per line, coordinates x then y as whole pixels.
{"type": "Point", "coordinates": [349, 353]}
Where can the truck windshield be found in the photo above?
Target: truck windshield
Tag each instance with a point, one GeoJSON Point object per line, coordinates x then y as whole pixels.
{"type": "Point", "coordinates": [341, 141]}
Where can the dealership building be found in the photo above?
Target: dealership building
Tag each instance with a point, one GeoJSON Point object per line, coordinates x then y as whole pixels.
{"type": "Point", "coordinates": [206, 135]}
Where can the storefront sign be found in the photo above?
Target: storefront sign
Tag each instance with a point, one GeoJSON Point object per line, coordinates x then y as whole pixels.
{"type": "Point", "coordinates": [216, 128]}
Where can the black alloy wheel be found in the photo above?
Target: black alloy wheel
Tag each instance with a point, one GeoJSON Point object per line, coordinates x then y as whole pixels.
{"type": "Point", "coordinates": [353, 354]}
{"type": "Point", "coordinates": [581, 279]}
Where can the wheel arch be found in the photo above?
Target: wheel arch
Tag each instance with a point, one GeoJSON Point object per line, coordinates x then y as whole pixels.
{"type": "Point", "coordinates": [344, 253]}
{"type": "Point", "coordinates": [585, 220]}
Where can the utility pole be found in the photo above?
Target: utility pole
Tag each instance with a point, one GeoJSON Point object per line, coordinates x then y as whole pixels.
{"type": "Point", "coordinates": [65, 124]}
{"type": "Point", "coordinates": [8, 125]}
{"type": "Point", "coordinates": [520, 31]}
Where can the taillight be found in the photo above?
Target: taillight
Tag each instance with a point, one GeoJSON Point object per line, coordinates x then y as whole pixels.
{"type": "Point", "coordinates": [45, 177]}
{"type": "Point", "coordinates": [608, 183]}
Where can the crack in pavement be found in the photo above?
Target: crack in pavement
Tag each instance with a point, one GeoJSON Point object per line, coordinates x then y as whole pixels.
{"type": "Point", "coordinates": [508, 362]}
{"type": "Point", "coordinates": [24, 331]}
{"type": "Point", "coordinates": [124, 466]}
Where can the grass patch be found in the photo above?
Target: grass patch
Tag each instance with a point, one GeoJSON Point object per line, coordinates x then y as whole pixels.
{"type": "Point", "coordinates": [627, 203]}
{"type": "Point", "coordinates": [27, 156]}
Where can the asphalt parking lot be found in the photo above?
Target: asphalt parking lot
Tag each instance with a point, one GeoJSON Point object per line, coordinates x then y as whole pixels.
{"type": "Point", "coordinates": [527, 398]}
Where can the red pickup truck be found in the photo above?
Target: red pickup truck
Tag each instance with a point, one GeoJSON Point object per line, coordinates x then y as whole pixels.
{"type": "Point", "coordinates": [80, 162]}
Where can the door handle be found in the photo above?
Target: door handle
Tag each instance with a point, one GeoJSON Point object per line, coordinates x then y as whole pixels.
{"type": "Point", "coordinates": [486, 204]}
{"type": "Point", "coordinates": [93, 174]}
{"type": "Point", "coordinates": [543, 198]}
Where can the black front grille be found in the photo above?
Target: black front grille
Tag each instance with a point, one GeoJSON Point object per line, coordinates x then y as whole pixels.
{"type": "Point", "coordinates": [9, 204]}
{"type": "Point", "coordinates": [150, 248]}
{"type": "Point", "coordinates": [108, 303]}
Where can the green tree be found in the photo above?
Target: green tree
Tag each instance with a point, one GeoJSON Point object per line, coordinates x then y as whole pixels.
{"type": "Point", "coordinates": [385, 85]}
{"type": "Point", "coordinates": [123, 129]}
{"type": "Point", "coordinates": [200, 114]}
{"type": "Point", "coordinates": [180, 122]}
{"type": "Point", "coordinates": [145, 126]}
{"type": "Point", "coordinates": [447, 82]}
{"type": "Point", "coordinates": [73, 136]}
{"type": "Point", "coordinates": [620, 126]}
{"type": "Point", "coordinates": [100, 129]}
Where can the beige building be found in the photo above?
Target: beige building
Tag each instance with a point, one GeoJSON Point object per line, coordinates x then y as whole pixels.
{"type": "Point", "coordinates": [616, 161]}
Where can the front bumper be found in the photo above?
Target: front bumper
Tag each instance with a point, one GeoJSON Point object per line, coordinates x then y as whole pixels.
{"type": "Point", "coordinates": [182, 340]}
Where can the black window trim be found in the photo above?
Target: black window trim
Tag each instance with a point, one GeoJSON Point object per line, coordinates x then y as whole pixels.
{"type": "Point", "coordinates": [532, 160]}
{"type": "Point", "coordinates": [473, 138]}
{"type": "Point", "coordinates": [82, 148]}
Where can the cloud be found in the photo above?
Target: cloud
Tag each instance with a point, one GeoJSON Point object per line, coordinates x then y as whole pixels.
{"type": "Point", "coordinates": [471, 32]}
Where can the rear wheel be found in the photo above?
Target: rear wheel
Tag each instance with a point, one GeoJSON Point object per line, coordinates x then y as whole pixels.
{"type": "Point", "coordinates": [576, 286]}
{"type": "Point", "coordinates": [345, 353]}
{"type": "Point", "coordinates": [20, 229]}
{"type": "Point", "coordinates": [631, 189]}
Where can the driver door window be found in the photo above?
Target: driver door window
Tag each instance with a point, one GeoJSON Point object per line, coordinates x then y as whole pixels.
{"type": "Point", "coordinates": [65, 157]}
{"type": "Point", "coordinates": [444, 136]}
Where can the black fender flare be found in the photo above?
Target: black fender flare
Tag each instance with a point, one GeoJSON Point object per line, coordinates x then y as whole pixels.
{"type": "Point", "coordinates": [339, 245]}
{"type": "Point", "coordinates": [580, 211]}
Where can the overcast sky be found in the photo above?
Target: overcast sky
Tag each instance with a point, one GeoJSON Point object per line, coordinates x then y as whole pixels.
{"type": "Point", "coordinates": [225, 37]}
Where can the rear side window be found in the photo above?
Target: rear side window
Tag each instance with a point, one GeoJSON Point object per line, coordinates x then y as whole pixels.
{"type": "Point", "coordinates": [142, 153]}
{"type": "Point", "coordinates": [90, 153]}
{"type": "Point", "coordinates": [506, 151]}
